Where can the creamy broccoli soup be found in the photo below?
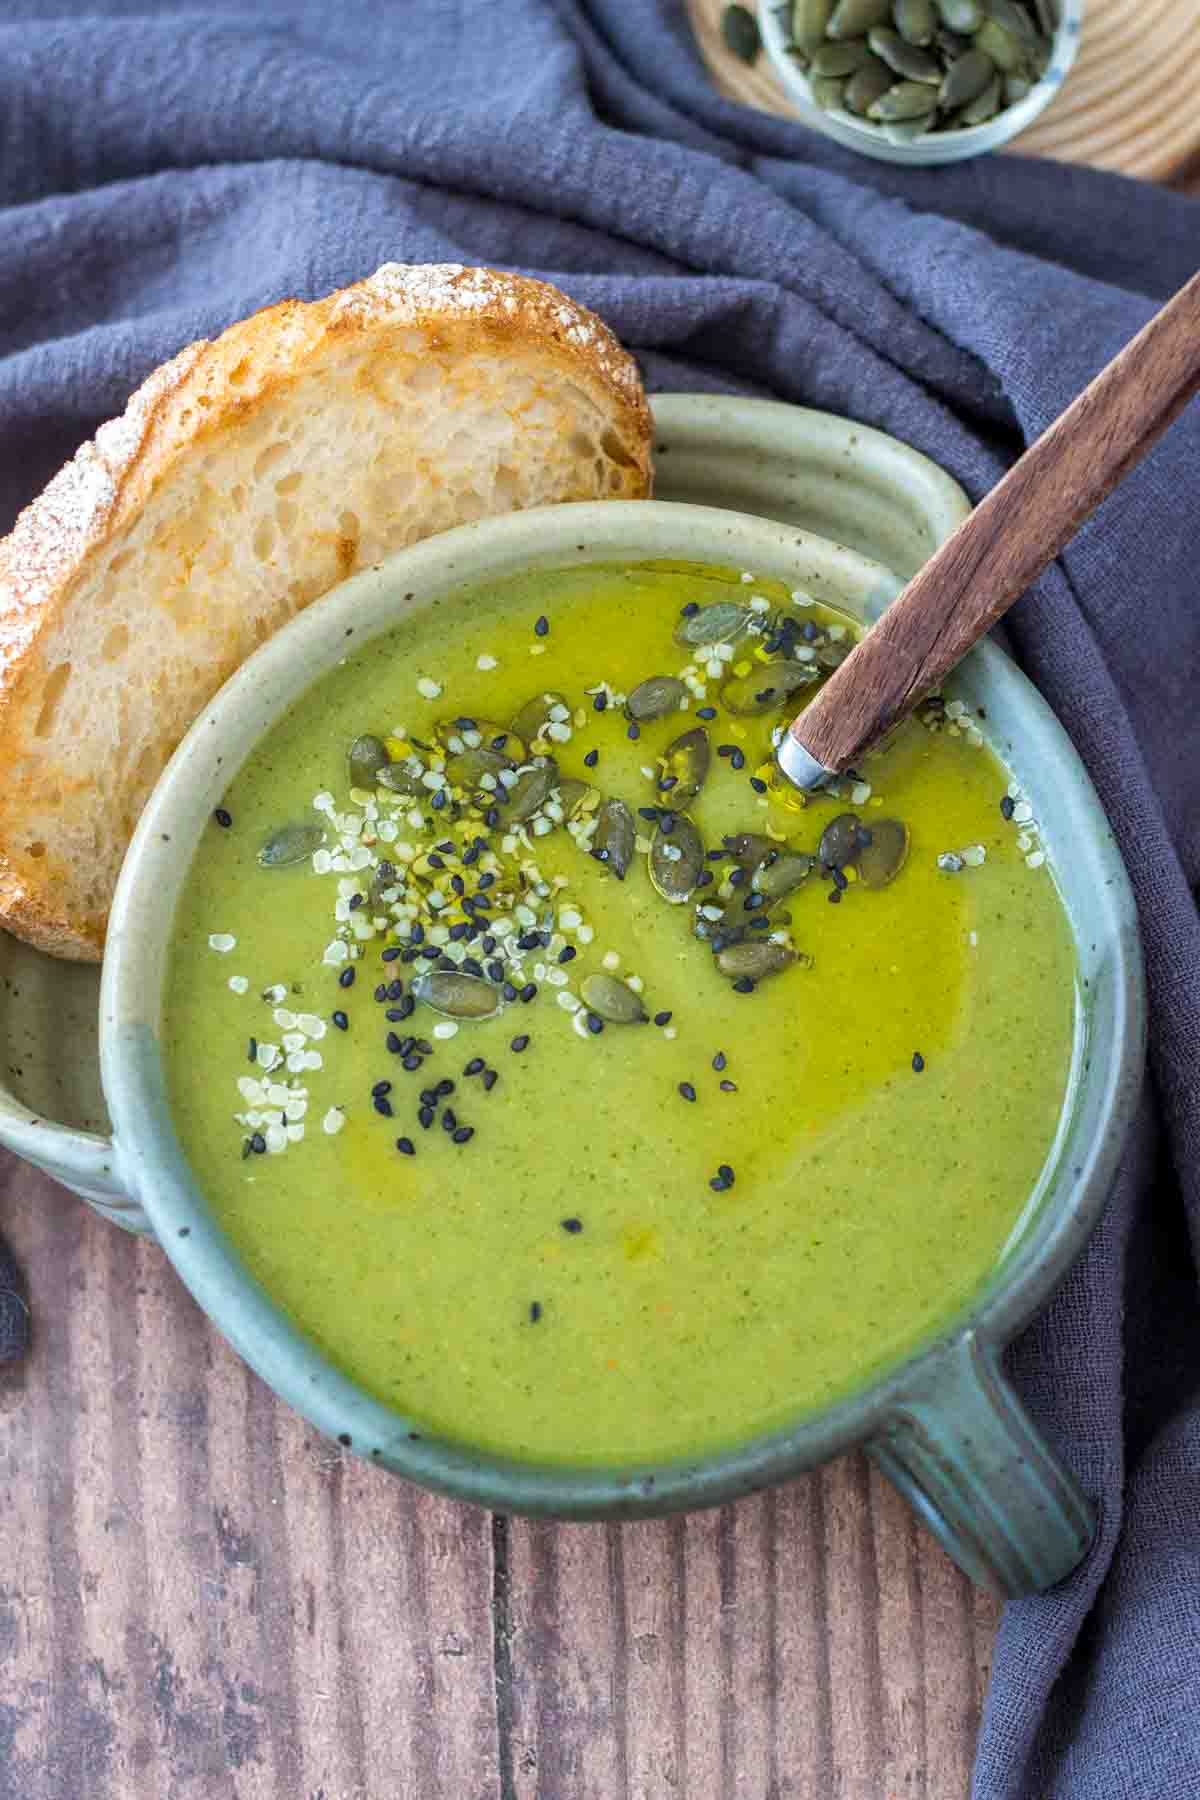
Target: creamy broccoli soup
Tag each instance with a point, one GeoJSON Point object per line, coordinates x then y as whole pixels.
{"type": "Point", "coordinates": [582, 1092]}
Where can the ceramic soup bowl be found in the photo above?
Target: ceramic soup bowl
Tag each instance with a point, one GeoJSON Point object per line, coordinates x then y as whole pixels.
{"type": "Point", "coordinates": [945, 1425]}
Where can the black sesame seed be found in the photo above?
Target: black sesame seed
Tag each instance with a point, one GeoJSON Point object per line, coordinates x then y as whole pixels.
{"type": "Point", "coordinates": [463, 1135]}
{"type": "Point", "coordinates": [438, 800]}
{"type": "Point", "coordinates": [567, 954]}
{"type": "Point", "coordinates": [346, 978]}
{"type": "Point", "coordinates": [667, 783]}
{"type": "Point", "coordinates": [726, 749]}
{"type": "Point", "coordinates": [223, 817]}
{"type": "Point", "coordinates": [572, 1226]}
{"type": "Point", "coordinates": [470, 856]}
{"type": "Point", "coordinates": [704, 878]}
{"type": "Point", "coordinates": [759, 786]}
{"type": "Point", "coordinates": [393, 1014]}
{"type": "Point", "coordinates": [406, 1147]}
{"type": "Point", "coordinates": [485, 881]}
{"type": "Point", "coordinates": [687, 1091]}
{"type": "Point", "coordinates": [356, 901]}
{"type": "Point", "coordinates": [435, 861]}
{"type": "Point", "coordinates": [634, 732]}
{"type": "Point", "coordinates": [407, 1007]}
{"type": "Point", "coordinates": [726, 1173]}
{"type": "Point", "coordinates": [425, 1115]}
{"type": "Point", "coordinates": [737, 876]}
{"type": "Point", "coordinates": [392, 1043]}
{"type": "Point", "coordinates": [738, 760]}
{"type": "Point", "coordinates": [535, 1311]}
{"type": "Point", "coordinates": [591, 759]}
{"type": "Point", "coordinates": [489, 1078]}
{"type": "Point", "coordinates": [690, 610]}
{"type": "Point", "coordinates": [729, 1087]}
{"type": "Point", "coordinates": [760, 922]}
{"type": "Point", "coordinates": [520, 1043]}
{"type": "Point", "coordinates": [412, 1063]}
{"type": "Point", "coordinates": [666, 822]}
{"type": "Point", "coordinates": [509, 991]}
{"type": "Point", "coordinates": [1007, 807]}
{"type": "Point", "coordinates": [381, 992]}
{"type": "Point", "coordinates": [599, 702]}
{"type": "Point", "coordinates": [383, 1105]}
{"type": "Point", "coordinates": [718, 1061]}
{"type": "Point", "coordinates": [529, 940]}
{"type": "Point", "coordinates": [491, 817]}
{"type": "Point", "coordinates": [471, 966]}
{"type": "Point", "coordinates": [662, 1018]}
{"type": "Point", "coordinates": [918, 1062]}
{"type": "Point", "coordinates": [743, 985]}
{"type": "Point", "coordinates": [449, 1119]}
{"type": "Point", "coordinates": [341, 1021]}
{"type": "Point", "coordinates": [595, 1023]}
{"type": "Point", "coordinates": [258, 1144]}
{"type": "Point", "coordinates": [834, 896]}
{"type": "Point", "coordinates": [408, 1045]}
{"type": "Point", "coordinates": [381, 1087]}
{"type": "Point", "coordinates": [458, 884]}
{"type": "Point", "coordinates": [416, 935]}
{"type": "Point", "coordinates": [445, 1086]}
{"type": "Point", "coordinates": [395, 989]}
{"type": "Point", "coordinates": [648, 812]}
{"type": "Point", "coordinates": [495, 971]}
{"type": "Point", "coordinates": [706, 712]}
{"type": "Point", "coordinates": [475, 1065]}
{"type": "Point", "coordinates": [252, 1050]}
{"type": "Point", "coordinates": [528, 992]}
{"type": "Point", "coordinates": [753, 901]}
{"type": "Point", "coordinates": [428, 1096]}
{"type": "Point", "coordinates": [715, 855]}
{"type": "Point", "coordinates": [458, 933]}
{"type": "Point", "coordinates": [542, 625]}
{"type": "Point", "coordinates": [391, 953]}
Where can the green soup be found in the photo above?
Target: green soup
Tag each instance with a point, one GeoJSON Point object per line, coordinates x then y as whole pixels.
{"type": "Point", "coordinates": [567, 1231]}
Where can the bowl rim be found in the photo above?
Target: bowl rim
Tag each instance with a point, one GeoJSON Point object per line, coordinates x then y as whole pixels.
{"type": "Point", "coordinates": [942, 146]}
{"type": "Point", "coordinates": [152, 1163]}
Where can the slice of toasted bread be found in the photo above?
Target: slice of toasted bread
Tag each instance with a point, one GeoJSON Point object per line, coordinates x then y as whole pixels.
{"type": "Point", "coordinates": [244, 479]}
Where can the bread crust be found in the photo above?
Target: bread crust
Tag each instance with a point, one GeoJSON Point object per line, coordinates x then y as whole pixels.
{"type": "Point", "coordinates": [210, 390]}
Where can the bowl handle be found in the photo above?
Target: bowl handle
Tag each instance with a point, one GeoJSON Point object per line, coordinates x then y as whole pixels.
{"type": "Point", "coordinates": [83, 1161]}
{"type": "Point", "coordinates": [960, 1446]}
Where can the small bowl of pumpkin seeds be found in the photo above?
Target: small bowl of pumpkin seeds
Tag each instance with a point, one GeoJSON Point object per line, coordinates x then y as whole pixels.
{"type": "Point", "coordinates": [921, 81]}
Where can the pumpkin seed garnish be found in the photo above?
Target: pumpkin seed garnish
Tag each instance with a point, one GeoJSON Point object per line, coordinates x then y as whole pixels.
{"type": "Point", "coordinates": [854, 18]}
{"type": "Point", "coordinates": [966, 79]}
{"type": "Point", "coordinates": [613, 1001]}
{"type": "Point", "coordinates": [767, 685]}
{"type": "Point", "coordinates": [684, 764]}
{"type": "Point", "coordinates": [865, 86]}
{"type": "Point", "coordinates": [655, 698]}
{"type": "Point", "coordinates": [290, 844]}
{"type": "Point", "coordinates": [754, 961]}
{"type": "Point", "coordinates": [781, 874]}
{"type": "Point", "coordinates": [457, 996]}
{"type": "Point", "coordinates": [573, 797]}
{"type": "Point", "coordinates": [366, 757]}
{"type": "Point", "coordinates": [907, 100]}
{"type": "Point", "coordinates": [748, 848]}
{"type": "Point", "coordinates": [676, 858]}
{"type": "Point", "coordinates": [534, 716]}
{"type": "Point", "coordinates": [720, 622]}
{"type": "Point", "coordinates": [532, 789]}
{"type": "Point", "coordinates": [839, 60]}
{"type": "Point", "coordinates": [882, 859]}
{"type": "Point", "coordinates": [615, 836]}
{"type": "Point", "coordinates": [905, 58]}
{"type": "Point", "coordinates": [739, 28]}
{"type": "Point", "coordinates": [396, 778]}
{"type": "Point", "coordinates": [914, 20]}
{"type": "Point", "coordinates": [467, 768]}
{"type": "Point", "coordinates": [810, 21]}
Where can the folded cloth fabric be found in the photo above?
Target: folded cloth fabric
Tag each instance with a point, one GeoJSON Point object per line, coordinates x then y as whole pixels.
{"type": "Point", "coordinates": [166, 171]}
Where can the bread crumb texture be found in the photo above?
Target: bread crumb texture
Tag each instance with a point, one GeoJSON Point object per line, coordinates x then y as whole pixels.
{"type": "Point", "coordinates": [245, 478]}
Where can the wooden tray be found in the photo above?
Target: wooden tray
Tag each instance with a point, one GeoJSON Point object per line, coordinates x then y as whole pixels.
{"type": "Point", "coordinates": [1131, 102]}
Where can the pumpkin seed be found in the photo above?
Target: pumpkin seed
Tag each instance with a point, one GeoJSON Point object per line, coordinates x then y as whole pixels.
{"type": "Point", "coordinates": [1000, 44]}
{"type": "Point", "coordinates": [767, 685]}
{"type": "Point", "coordinates": [748, 848]}
{"type": "Point", "coordinates": [781, 875]}
{"type": "Point", "coordinates": [676, 859]}
{"type": "Point", "coordinates": [685, 763]}
{"type": "Point", "coordinates": [655, 698]}
{"type": "Point", "coordinates": [739, 28]}
{"type": "Point", "coordinates": [964, 16]}
{"type": "Point", "coordinates": [907, 100]}
{"type": "Point", "coordinates": [290, 844]}
{"type": "Point", "coordinates": [457, 996]}
{"type": "Point", "coordinates": [828, 94]}
{"type": "Point", "coordinates": [907, 131]}
{"type": "Point", "coordinates": [865, 86]}
{"type": "Point", "coordinates": [1015, 88]}
{"type": "Point", "coordinates": [841, 841]}
{"type": "Point", "coordinates": [467, 769]}
{"type": "Point", "coordinates": [952, 44]}
{"type": "Point", "coordinates": [1013, 18]}
{"type": "Point", "coordinates": [534, 716]}
{"type": "Point", "coordinates": [840, 60]}
{"type": "Point", "coordinates": [966, 79]}
{"type": "Point", "coordinates": [367, 755]}
{"type": "Point", "coordinates": [573, 795]}
{"type": "Point", "coordinates": [754, 961]}
{"type": "Point", "coordinates": [984, 106]}
{"type": "Point", "coordinates": [613, 1001]}
{"type": "Point", "coordinates": [616, 832]}
{"type": "Point", "coordinates": [905, 59]}
{"type": "Point", "coordinates": [882, 859]}
{"type": "Point", "coordinates": [810, 20]}
{"type": "Point", "coordinates": [914, 20]}
{"type": "Point", "coordinates": [397, 778]}
{"type": "Point", "coordinates": [532, 789]}
{"type": "Point", "coordinates": [854, 18]}
{"type": "Point", "coordinates": [720, 622]}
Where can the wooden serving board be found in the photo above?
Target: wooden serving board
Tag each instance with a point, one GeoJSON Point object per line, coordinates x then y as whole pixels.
{"type": "Point", "coordinates": [1131, 103]}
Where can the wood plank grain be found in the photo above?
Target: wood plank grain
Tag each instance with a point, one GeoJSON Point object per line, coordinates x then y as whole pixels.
{"type": "Point", "coordinates": [202, 1598]}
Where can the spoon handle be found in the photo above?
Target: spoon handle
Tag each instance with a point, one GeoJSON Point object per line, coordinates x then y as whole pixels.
{"type": "Point", "coordinates": [1012, 535]}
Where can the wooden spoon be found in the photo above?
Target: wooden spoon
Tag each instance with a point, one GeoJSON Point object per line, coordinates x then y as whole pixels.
{"type": "Point", "coordinates": [1002, 546]}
